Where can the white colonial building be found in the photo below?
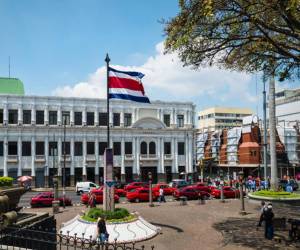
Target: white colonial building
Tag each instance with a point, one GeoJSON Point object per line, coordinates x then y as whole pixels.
{"type": "Point", "coordinates": [156, 137]}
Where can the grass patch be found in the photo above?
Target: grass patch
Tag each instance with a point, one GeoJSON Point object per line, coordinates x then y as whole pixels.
{"type": "Point", "coordinates": [119, 215]}
{"type": "Point", "coordinates": [276, 194]}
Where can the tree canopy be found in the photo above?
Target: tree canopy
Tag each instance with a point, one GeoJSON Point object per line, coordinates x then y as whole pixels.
{"type": "Point", "coordinates": [243, 35]}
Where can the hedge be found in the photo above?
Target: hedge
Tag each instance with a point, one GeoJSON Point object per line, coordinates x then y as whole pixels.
{"type": "Point", "coordinates": [6, 181]}
{"type": "Point", "coordinates": [276, 194]}
{"type": "Point", "coordinates": [119, 215]}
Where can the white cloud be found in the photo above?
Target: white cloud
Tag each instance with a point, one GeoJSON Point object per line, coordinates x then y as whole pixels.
{"type": "Point", "coordinates": [165, 76]}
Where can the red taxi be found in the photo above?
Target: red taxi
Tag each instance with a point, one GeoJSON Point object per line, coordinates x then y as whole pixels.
{"type": "Point", "coordinates": [140, 194]}
{"type": "Point", "coordinates": [46, 198]}
{"type": "Point", "coordinates": [190, 193]}
{"type": "Point", "coordinates": [167, 189]}
{"type": "Point", "coordinates": [134, 185]}
{"type": "Point", "coordinates": [99, 196]}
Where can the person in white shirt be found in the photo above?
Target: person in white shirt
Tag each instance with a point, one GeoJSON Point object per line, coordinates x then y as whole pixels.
{"type": "Point", "coordinates": [161, 195]}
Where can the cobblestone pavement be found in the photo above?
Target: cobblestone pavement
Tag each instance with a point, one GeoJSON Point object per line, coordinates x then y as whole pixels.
{"type": "Point", "coordinates": [214, 225]}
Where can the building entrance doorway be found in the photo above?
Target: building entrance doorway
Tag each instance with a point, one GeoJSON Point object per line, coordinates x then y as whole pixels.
{"type": "Point", "coordinates": [128, 174]}
{"type": "Point", "coordinates": [145, 171]}
{"type": "Point", "coordinates": [78, 175]}
{"type": "Point", "coordinates": [90, 174]}
{"type": "Point", "coordinates": [168, 170]}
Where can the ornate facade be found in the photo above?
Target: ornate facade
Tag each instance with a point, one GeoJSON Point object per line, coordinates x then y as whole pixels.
{"type": "Point", "coordinates": [156, 137]}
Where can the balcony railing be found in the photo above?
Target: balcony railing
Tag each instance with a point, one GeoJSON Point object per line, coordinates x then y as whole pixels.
{"type": "Point", "coordinates": [12, 158]}
{"type": "Point", "coordinates": [90, 158]}
{"type": "Point", "coordinates": [128, 157]}
{"type": "Point", "coordinates": [40, 158]}
{"type": "Point", "coordinates": [148, 157]}
{"type": "Point", "coordinates": [68, 158]}
{"type": "Point", "coordinates": [168, 157]}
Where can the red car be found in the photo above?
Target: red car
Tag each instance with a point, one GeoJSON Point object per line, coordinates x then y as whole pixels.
{"type": "Point", "coordinates": [46, 198]}
{"type": "Point", "coordinates": [202, 187]}
{"type": "Point", "coordinates": [99, 196]}
{"type": "Point", "coordinates": [190, 193]}
{"type": "Point", "coordinates": [118, 191]}
{"type": "Point", "coordinates": [167, 189]}
{"type": "Point", "coordinates": [229, 192]}
{"type": "Point", "coordinates": [134, 185]}
{"type": "Point", "coordinates": [140, 194]}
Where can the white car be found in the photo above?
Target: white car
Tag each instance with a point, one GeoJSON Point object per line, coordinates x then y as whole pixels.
{"type": "Point", "coordinates": [85, 186]}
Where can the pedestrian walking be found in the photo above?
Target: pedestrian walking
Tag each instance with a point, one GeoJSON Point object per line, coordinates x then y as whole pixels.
{"type": "Point", "coordinates": [263, 208]}
{"type": "Point", "coordinates": [161, 195]}
{"type": "Point", "coordinates": [101, 228]}
{"type": "Point", "coordinates": [268, 216]}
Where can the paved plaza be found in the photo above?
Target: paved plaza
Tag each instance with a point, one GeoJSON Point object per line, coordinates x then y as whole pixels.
{"type": "Point", "coordinates": [214, 225]}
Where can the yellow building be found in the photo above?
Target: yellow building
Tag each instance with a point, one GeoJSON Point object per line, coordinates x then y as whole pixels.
{"type": "Point", "coordinates": [222, 117]}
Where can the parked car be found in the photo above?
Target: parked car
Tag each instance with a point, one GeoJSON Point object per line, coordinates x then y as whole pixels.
{"type": "Point", "coordinates": [46, 198]}
{"type": "Point", "coordinates": [134, 185]}
{"type": "Point", "coordinates": [178, 183]}
{"type": "Point", "coordinates": [167, 189]}
{"type": "Point", "coordinates": [200, 186]}
{"type": "Point", "coordinates": [85, 186]}
{"type": "Point", "coordinates": [228, 191]}
{"type": "Point", "coordinates": [190, 193]}
{"type": "Point", "coordinates": [293, 183]}
{"type": "Point", "coordinates": [98, 192]}
{"type": "Point", "coordinates": [118, 191]}
{"type": "Point", "coordinates": [140, 194]}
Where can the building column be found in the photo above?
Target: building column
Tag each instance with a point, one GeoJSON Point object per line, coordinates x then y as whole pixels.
{"type": "Point", "coordinates": [175, 159]}
{"type": "Point", "coordinates": [19, 156]}
{"type": "Point", "coordinates": [59, 116]}
{"type": "Point", "coordinates": [122, 118]}
{"type": "Point", "coordinates": [33, 115]}
{"type": "Point", "coordinates": [123, 160]}
{"type": "Point", "coordinates": [59, 158]}
{"type": "Point", "coordinates": [97, 160]}
{"type": "Point", "coordinates": [84, 177]}
{"type": "Point", "coordinates": [72, 170]}
{"type": "Point", "coordinates": [110, 117]}
{"type": "Point", "coordinates": [186, 149]}
{"type": "Point", "coordinates": [191, 150]}
{"type": "Point", "coordinates": [46, 173]}
{"type": "Point", "coordinates": [20, 115]}
{"type": "Point", "coordinates": [33, 161]}
{"type": "Point", "coordinates": [161, 158]}
{"type": "Point", "coordinates": [84, 117]}
{"type": "Point", "coordinates": [72, 122]}
{"type": "Point", "coordinates": [97, 117]}
{"type": "Point", "coordinates": [5, 114]}
{"type": "Point", "coordinates": [5, 153]}
{"type": "Point", "coordinates": [134, 155]}
{"type": "Point", "coordinates": [46, 116]}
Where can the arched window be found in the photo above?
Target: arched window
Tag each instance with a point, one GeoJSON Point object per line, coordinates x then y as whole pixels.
{"type": "Point", "coordinates": [143, 148]}
{"type": "Point", "coordinates": [152, 149]}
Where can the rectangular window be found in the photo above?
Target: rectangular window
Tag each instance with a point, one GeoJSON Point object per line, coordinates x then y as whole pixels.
{"type": "Point", "coordinates": [26, 148]}
{"type": "Point", "coordinates": [53, 148]}
{"type": "Point", "coordinates": [12, 148]}
{"type": "Point", "coordinates": [67, 148]}
{"type": "Point", "coordinates": [117, 148]}
{"type": "Point", "coordinates": [65, 118]}
{"type": "Point", "coordinates": [102, 119]}
{"type": "Point", "coordinates": [26, 116]}
{"type": "Point", "coordinates": [1, 115]}
{"type": "Point", "coordinates": [1, 148]}
{"type": "Point", "coordinates": [116, 120]}
{"type": "Point", "coordinates": [167, 120]}
{"type": "Point", "coordinates": [12, 116]}
{"type": "Point", "coordinates": [167, 148]}
{"type": "Point", "coordinates": [90, 118]}
{"type": "Point", "coordinates": [128, 148]}
{"type": "Point", "coordinates": [78, 148]}
{"type": "Point", "coordinates": [52, 117]}
{"type": "Point", "coordinates": [40, 117]}
{"type": "Point", "coordinates": [78, 118]}
{"type": "Point", "coordinates": [180, 121]}
{"type": "Point", "coordinates": [102, 147]}
{"type": "Point", "coordinates": [90, 148]}
{"type": "Point", "coordinates": [127, 120]}
{"type": "Point", "coordinates": [39, 148]}
{"type": "Point", "coordinates": [181, 148]}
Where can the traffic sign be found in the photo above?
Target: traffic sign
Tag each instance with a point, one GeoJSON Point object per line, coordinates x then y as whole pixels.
{"type": "Point", "coordinates": [110, 183]}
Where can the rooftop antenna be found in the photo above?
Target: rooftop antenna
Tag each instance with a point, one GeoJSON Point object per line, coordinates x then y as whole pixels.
{"type": "Point", "coordinates": [9, 67]}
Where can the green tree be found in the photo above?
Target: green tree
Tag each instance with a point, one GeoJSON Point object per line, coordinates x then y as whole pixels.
{"type": "Point", "coordinates": [242, 35]}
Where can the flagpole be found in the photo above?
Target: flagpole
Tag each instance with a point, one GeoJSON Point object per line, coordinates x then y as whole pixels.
{"type": "Point", "coordinates": [107, 60]}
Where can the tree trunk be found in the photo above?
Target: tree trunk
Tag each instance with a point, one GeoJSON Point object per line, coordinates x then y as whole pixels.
{"type": "Point", "coordinates": [272, 126]}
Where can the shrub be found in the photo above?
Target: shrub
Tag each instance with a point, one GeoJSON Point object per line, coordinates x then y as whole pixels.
{"type": "Point", "coordinates": [94, 213]}
{"type": "Point", "coordinates": [276, 194]}
{"type": "Point", "coordinates": [6, 181]}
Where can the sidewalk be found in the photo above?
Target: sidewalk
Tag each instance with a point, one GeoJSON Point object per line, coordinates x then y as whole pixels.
{"type": "Point", "coordinates": [51, 189]}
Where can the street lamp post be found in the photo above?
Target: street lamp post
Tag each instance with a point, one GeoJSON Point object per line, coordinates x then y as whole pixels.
{"type": "Point", "coordinates": [222, 184]}
{"type": "Point", "coordinates": [241, 177]}
{"type": "Point", "coordinates": [150, 190]}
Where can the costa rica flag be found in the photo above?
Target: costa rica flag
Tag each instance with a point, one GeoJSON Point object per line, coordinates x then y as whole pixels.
{"type": "Point", "coordinates": [126, 85]}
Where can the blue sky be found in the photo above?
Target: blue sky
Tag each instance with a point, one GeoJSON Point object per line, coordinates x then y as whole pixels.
{"type": "Point", "coordinates": [58, 47]}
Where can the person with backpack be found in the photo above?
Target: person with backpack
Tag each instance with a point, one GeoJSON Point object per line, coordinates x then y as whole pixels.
{"type": "Point", "coordinates": [101, 228]}
{"type": "Point", "coordinates": [268, 216]}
